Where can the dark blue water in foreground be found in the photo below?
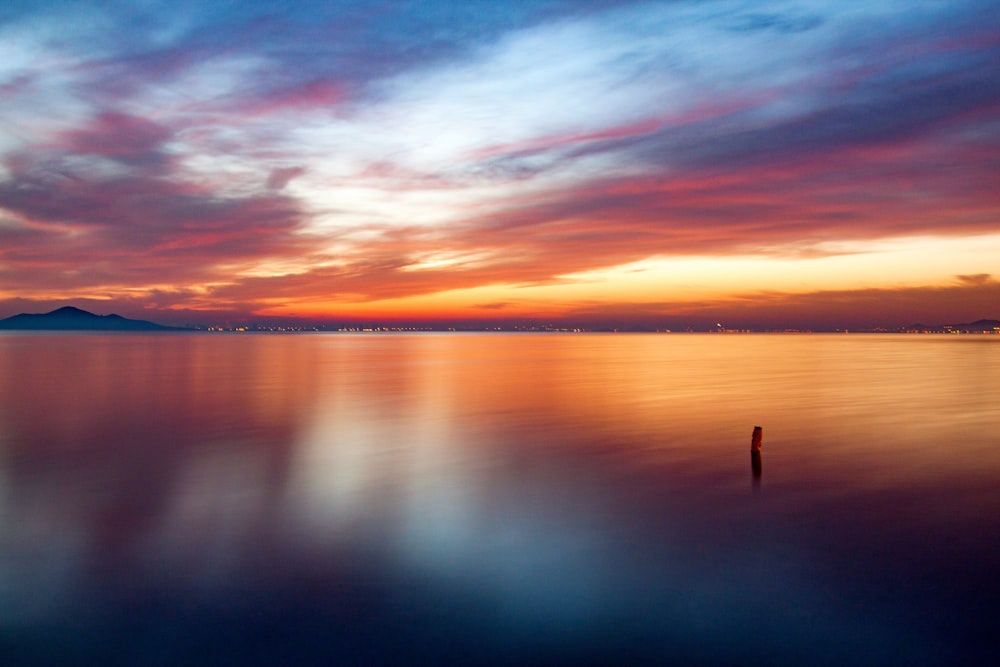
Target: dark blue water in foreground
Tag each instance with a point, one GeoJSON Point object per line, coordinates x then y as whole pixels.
{"type": "Point", "coordinates": [498, 499]}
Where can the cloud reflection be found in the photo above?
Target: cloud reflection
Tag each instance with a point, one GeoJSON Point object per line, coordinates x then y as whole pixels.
{"type": "Point", "coordinates": [519, 495]}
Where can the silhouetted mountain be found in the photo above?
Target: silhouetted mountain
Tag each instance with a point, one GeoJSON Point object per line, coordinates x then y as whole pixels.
{"type": "Point", "coordinates": [979, 324]}
{"type": "Point", "coordinates": [74, 319]}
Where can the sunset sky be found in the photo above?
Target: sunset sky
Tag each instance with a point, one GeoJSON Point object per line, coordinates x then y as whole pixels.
{"type": "Point", "coordinates": [801, 164]}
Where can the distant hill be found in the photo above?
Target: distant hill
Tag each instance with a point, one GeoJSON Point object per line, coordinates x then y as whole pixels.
{"type": "Point", "coordinates": [978, 325]}
{"type": "Point", "coordinates": [74, 319]}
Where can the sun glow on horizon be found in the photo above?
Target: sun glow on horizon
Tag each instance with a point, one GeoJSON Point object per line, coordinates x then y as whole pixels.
{"type": "Point", "coordinates": [902, 263]}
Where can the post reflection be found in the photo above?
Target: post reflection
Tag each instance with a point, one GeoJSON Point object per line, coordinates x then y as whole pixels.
{"type": "Point", "coordinates": [756, 468]}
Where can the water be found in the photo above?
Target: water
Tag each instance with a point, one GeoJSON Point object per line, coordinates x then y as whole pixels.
{"type": "Point", "coordinates": [498, 499]}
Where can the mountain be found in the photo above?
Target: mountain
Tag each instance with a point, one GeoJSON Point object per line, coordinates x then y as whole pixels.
{"type": "Point", "coordinates": [74, 319]}
{"type": "Point", "coordinates": [977, 326]}
{"type": "Point", "coordinates": [980, 325]}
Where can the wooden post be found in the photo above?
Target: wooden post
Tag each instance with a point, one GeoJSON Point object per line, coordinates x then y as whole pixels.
{"type": "Point", "coordinates": [758, 435]}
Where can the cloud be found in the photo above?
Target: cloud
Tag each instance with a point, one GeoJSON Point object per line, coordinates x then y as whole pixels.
{"type": "Point", "coordinates": [977, 280]}
{"type": "Point", "coordinates": [76, 226]}
{"type": "Point", "coordinates": [132, 140]}
{"type": "Point", "coordinates": [824, 310]}
{"type": "Point", "coordinates": [281, 177]}
{"type": "Point", "coordinates": [154, 149]}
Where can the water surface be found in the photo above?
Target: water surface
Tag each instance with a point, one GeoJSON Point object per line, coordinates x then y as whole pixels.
{"type": "Point", "coordinates": [498, 499]}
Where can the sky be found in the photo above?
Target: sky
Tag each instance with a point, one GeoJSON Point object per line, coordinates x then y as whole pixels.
{"type": "Point", "coordinates": [670, 164]}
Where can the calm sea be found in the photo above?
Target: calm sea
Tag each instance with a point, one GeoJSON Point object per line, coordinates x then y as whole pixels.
{"type": "Point", "coordinates": [499, 499]}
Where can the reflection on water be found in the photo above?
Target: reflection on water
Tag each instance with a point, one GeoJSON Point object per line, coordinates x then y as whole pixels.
{"type": "Point", "coordinates": [756, 468]}
{"type": "Point", "coordinates": [497, 499]}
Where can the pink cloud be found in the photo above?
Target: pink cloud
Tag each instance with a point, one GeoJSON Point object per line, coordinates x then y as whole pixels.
{"type": "Point", "coordinates": [616, 133]}
{"type": "Point", "coordinates": [129, 139]}
{"type": "Point", "coordinates": [73, 228]}
{"type": "Point", "coordinates": [316, 94]}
